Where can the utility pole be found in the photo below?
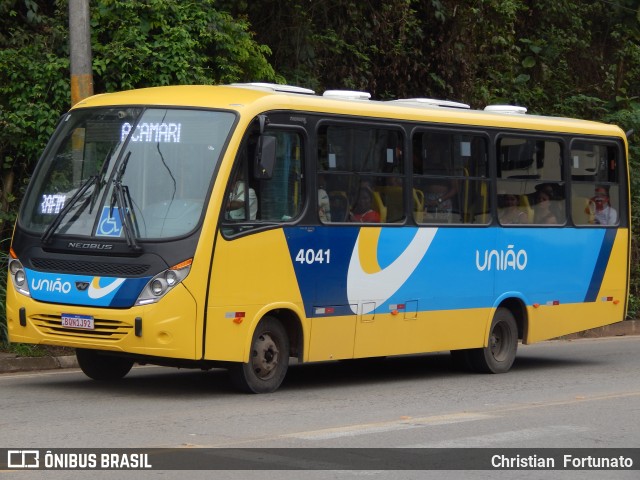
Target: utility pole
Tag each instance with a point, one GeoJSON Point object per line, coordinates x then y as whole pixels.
{"type": "Point", "coordinates": [80, 50]}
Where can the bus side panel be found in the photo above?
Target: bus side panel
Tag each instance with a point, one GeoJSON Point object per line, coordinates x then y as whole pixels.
{"type": "Point", "coordinates": [428, 331]}
{"type": "Point", "coordinates": [248, 273]}
{"type": "Point", "coordinates": [348, 312]}
{"type": "Point", "coordinates": [172, 329]}
{"type": "Point", "coordinates": [332, 338]}
{"type": "Point", "coordinates": [604, 303]}
{"type": "Point", "coordinates": [376, 291]}
{"type": "Point", "coordinates": [335, 338]}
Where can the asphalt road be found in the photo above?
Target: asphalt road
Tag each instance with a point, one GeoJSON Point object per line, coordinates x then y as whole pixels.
{"type": "Point", "coordinates": [559, 394]}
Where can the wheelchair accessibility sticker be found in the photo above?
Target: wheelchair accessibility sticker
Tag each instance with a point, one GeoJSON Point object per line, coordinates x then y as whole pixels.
{"type": "Point", "coordinates": [110, 224]}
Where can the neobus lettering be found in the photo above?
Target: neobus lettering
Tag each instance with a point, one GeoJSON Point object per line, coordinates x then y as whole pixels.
{"type": "Point", "coordinates": [92, 246]}
{"type": "Point", "coordinates": [502, 259]}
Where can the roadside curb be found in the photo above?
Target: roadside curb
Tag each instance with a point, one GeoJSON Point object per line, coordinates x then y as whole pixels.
{"type": "Point", "coordinates": [620, 329]}
{"type": "Point", "coordinates": [12, 363]}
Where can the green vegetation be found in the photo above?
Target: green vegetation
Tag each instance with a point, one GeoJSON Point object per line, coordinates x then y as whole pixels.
{"type": "Point", "coordinates": [569, 58]}
{"type": "Point", "coordinates": [3, 293]}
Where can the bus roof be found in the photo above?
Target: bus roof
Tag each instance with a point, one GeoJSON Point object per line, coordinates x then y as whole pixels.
{"type": "Point", "coordinates": [254, 98]}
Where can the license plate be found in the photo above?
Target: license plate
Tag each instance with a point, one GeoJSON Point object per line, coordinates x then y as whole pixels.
{"type": "Point", "coordinates": [84, 322]}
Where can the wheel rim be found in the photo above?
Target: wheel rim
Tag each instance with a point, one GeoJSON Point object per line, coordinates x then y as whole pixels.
{"type": "Point", "coordinates": [265, 356]}
{"type": "Point", "coordinates": [499, 342]}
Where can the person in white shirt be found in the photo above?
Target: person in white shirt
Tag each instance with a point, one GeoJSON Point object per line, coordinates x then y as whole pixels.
{"type": "Point", "coordinates": [235, 206]}
{"type": "Point", "coordinates": [324, 204]}
{"type": "Point", "coordinates": [599, 206]}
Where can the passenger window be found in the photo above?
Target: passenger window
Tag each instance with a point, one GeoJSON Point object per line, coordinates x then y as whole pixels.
{"type": "Point", "coordinates": [360, 174]}
{"type": "Point", "coordinates": [450, 178]}
{"type": "Point", "coordinates": [277, 199]}
{"type": "Point", "coordinates": [595, 192]}
{"type": "Point", "coordinates": [531, 187]}
{"type": "Point", "coordinates": [281, 196]}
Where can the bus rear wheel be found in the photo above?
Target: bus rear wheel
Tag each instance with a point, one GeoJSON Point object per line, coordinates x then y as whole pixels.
{"type": "Point", "coordinates": [102, 367]}
{"type": "Point", "coordinates": [268, 359]}
{"type": "Point", "coordinates": [499, 354]}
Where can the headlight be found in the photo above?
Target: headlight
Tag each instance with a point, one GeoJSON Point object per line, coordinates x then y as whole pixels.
{"type": "Point", "coordinates": [159, 285]}
{"type": "Point", "coordinates": [171, 278]}
{"type": "Point", "coordinates": [19, 277]}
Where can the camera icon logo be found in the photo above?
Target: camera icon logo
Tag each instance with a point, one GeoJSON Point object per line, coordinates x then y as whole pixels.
{"type": "Point", "coordinates": [23, 459]}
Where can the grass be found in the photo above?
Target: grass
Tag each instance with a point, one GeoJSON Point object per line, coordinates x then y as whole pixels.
{"type": "Point", "coordinates": [4, 335]}
{"type": "Point", "coordinates": [25, 350]}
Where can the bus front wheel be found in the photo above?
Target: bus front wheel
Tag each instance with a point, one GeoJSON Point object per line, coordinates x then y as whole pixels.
{"type": "Point", "coordinates": [102, 367]}
{"type": "Point", "coordinates": [499, 354]}
{"type": "Point", "coordinates": [268, 359]}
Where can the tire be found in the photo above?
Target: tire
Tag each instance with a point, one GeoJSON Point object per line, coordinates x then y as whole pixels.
{"type": "Point", "coordinates": [500, 352]}
{"type": "Point", "coordinates": [104, 368]}
{"type": "Point", "coordinates": [268, 359]}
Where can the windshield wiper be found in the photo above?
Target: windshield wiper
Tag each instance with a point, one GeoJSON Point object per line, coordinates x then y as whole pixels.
{"type": "Point", "coordinates": [122, 197]}
{"type": "Point", "coordinates": [103, 169]}
{"type": "Point", "coordinates": [48, 233]}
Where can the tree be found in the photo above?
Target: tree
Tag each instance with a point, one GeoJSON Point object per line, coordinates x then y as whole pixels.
{"type": "Point", "coordinates": [163, 42]}
{"type": "Point", "coordinates": [570, 58]}
{"type": "Point", "coordinates": [372, 46]}
{"type": "Point", "coordinates": [135, 44]}
{"type": "Point", "coordinates": [34, 90]}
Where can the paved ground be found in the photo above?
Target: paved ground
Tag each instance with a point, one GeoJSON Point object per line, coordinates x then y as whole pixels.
{"type": "Point", "coordinates": [10, 362]}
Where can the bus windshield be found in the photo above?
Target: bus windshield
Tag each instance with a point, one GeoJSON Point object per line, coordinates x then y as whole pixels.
{"type": "Point", "coordinates": [109, 170]}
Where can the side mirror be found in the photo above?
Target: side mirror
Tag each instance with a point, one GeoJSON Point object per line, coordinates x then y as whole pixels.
{"type": "Point", "coordinates": [265, 157]}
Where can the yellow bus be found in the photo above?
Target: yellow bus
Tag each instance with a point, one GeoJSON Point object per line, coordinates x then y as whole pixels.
{"type": "Point", "coordinates": [240, 226]}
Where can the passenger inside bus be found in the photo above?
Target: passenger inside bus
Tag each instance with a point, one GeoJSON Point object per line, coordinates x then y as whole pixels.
{"type": "Point", "coordinates": [236, 203]}
{"type": "Point", "coordinates": [546, 209]}
{"type": "Point", "coordinates": [339, 206]}
{"type": "Point", "coordinates": [439, 162]}
{"type": "Point", "coordinates": [438, 203]}
{"type": "Point", "coordinates": [510, 210]}
{"type": "Point", "coordinates": [600, 209]}
{"type": "Point", "coordinates": [363, 210]}
{"type": "Point", "coordinates": [324, 204]}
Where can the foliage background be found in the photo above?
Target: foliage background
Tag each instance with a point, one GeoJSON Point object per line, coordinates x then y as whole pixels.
{"type": "Point", "coordinates": [578, 58]}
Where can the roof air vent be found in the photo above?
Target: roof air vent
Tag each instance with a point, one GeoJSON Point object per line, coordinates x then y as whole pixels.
{"type": "Point", "coordinates": [508, 109]}
{"type": "Point", "coordinates": [347, 94]}
{"type": "Point", "coordinates": [276, 87]}
{"type": "Point", "coordinates": [432, 102]}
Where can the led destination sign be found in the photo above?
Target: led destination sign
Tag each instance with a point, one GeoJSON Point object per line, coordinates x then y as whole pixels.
{"type": "Point", "coordinates": [152, 132]}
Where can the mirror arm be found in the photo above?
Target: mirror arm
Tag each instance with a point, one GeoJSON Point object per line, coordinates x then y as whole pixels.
{"type": "Point", "coordinates": [264, 121]}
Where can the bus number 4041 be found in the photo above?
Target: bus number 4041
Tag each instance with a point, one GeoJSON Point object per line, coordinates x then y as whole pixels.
{"type": "Point", "coordinates": [311, 256]}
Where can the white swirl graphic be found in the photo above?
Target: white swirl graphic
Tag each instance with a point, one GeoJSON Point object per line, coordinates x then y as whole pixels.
{"type": "Point", "coordinates": [96, 291]}
{"type": "Point", "coordinates": [381, 285]}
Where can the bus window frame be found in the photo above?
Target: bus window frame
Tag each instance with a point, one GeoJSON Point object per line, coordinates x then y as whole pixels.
{"type": "Point", "coordinates": [326, 121]}
{"type": "Point", "coordinates": [235, 229]}
{"type": "Point", "coordinates": [622, 181]}
{"type": "Point", "coordinates": [488, 135]}
{"type": "Point", "coordinates": [552, 137]}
